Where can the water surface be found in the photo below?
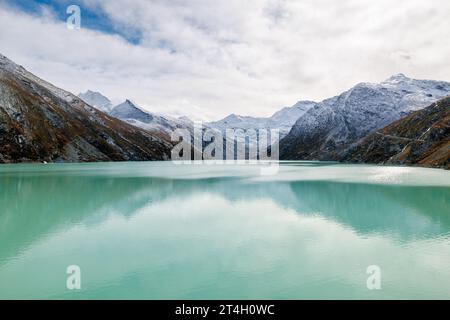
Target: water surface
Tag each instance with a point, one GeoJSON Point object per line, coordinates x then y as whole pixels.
{"type": "Point", "coordinates": [166, 231]}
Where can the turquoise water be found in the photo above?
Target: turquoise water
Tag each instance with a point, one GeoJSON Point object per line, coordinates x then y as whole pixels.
{"type": "Point", "coordinates": [167, 231]}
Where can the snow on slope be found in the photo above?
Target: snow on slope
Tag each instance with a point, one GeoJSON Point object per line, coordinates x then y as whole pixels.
{"type": "Point", "coordinates": [9, 65]}
{"type": "Point", "coordinates": [282, 120]}
{"type": "Point", "coordinates": [131, 113]}
{"type": "Point", "coordinates": [328, 129]}
{"type": "Point", "coordinates": [97, 100]}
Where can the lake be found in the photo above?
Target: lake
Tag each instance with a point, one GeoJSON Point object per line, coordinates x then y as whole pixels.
{"type": "Point", "coordinates": [221, 231]}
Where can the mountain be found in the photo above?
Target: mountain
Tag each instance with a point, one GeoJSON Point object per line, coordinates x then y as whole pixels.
{"type": "Point", "coordinates": [40, 122]}
{"type": "Point", "coordinates": [128, 111]}
{"type": "Point", "coordinates": [131, 113]}
{"type": "Point", "coordinates": [329, 129]}
{"type": "Point", "coordinates": [421, 138]}
{"type": "Point", "coordinates": [282, 120]}
{"type": "Point", "coordinates": [97, 100]}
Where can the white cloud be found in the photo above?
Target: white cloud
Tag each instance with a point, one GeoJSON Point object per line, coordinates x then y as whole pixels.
{"type": "Point", "coordinates": [247, 57]}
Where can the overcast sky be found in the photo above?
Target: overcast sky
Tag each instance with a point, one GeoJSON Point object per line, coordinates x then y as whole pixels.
{"type": "Point", "coordinates": [209, 58]}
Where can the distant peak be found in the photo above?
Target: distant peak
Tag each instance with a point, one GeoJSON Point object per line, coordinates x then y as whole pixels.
{"type": "Point", "coordinates": [97, 100]}
{"type": "Point", "coordinates": [91, 93]}
{"type": "Point", "coordinates": [303, 103]}
{"type": "Point", "coordinates": [128, 104]}
{"type": "Point", "coordinates": [233, 116]}
{"type": "Point", "coordinates": [125, 103]}
{"type": "Point", "coordinates": [398, 77]}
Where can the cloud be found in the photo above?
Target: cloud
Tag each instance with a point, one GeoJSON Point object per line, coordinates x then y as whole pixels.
{"type": "Point", "coordinates": [212, 58]}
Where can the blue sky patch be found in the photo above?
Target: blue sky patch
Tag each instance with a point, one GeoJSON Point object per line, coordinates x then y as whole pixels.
{"type": "Point", "coordinates": [90, 19]}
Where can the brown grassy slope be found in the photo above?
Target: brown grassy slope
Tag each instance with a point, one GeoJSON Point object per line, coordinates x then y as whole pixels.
{"type": "Point", "coordinates": [421, 138]}
{"type": "Point", "coordinates": [36, 125]}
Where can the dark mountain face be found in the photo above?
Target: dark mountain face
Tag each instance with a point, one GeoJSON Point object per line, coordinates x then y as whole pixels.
{"type": "Point", "coordinates": [39, 122]}
{"type": "Point", "coordinates": [422, 138]}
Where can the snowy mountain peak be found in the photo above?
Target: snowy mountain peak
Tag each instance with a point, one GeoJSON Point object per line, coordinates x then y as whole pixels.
{"type": "Point", "coordinates": [303, 103]}
{"type": "Point", "coordinates": [232, 117]}
{"type": "Point", "coordinates": [97, 100]}
{"type": "Point", "coordinates": [283, 120]}
{"type": "Point", "coordinates": [397, 78]}
{"type": "Point", "coordinates": [128, 110]}
{"type": "Point", "coordinates": [341, 121]}
{"type": "Point", "coordinates": [288, 112]}
{"type": "Point", "coordinates": [127, 105]}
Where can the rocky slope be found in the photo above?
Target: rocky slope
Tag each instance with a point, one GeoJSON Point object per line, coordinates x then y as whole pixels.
{"type": "Point", "coordinates": [40, 122]}
{"type": "Point", "coordinates": [421, 138]}
{"type": "Point", "coordinates": [329, 129]}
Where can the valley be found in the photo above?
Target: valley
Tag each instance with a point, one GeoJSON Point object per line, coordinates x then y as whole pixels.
{"type": "Point", "coordinates": [40, 122]}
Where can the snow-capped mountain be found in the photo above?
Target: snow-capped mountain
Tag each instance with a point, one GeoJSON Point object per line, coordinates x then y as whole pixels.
{"type": "Point", "coordinates": [133, 114]}
{"type": "Point", "coordinates": [282, 120]}
{"type": "Point", "coordinates": [40, 122]}
{"type": "Point", "coordinates": [128, 111]}
{"type": "Point", "coordinates": [327, 130]}
{"type": "Point", "coordinates": [97, 100]}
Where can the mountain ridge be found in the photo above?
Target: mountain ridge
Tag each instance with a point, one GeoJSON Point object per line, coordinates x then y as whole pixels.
{"type": "Point", "coordinates": [40, 122]}
{"type": "Point", "coordinates": [329, 129]}
{"type": "Point", "coordinates": [282, 120]}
